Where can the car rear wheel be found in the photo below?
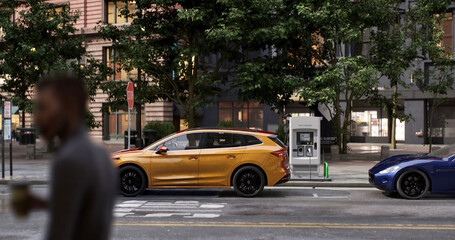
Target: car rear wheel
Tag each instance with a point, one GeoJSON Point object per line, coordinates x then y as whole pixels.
{"type": "Point", "coordinates": [249, 181]}
{"type": "Point", "coordinates": [132, 181]}
{"type": "Point", "coordinates": [413, 184]}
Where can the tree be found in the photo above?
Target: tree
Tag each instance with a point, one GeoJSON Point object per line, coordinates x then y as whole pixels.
{"type": "Point", "coordinates": [397, 45]}
{"type": "Point", "coordinates": [305, 45]}
{"type": "Point", "coordinates": [39, 40]}
{"type": "Point", "coordinates": [438, 77]}
{"type": "Point", "coordinates": [174, 43]}
{"type": "Point", "coordinates": [276, 28]}
{"type": "Point", "coordinates": [342, 76]}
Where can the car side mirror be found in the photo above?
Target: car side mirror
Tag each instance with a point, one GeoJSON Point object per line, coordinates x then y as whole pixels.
{"type": "Point", "coordinates": [161, 150]}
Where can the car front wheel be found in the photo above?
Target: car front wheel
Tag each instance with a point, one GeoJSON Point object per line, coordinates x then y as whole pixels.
{"type": "Point", "coordinates": [413, 184]}
{"type": "Point", "coordinates": [248, 181]}
{"type": "Point", "coordinates": [132, 181]}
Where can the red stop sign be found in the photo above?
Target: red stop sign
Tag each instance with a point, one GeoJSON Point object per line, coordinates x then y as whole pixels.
{"type": "Point", "coordinates": [130, 95]}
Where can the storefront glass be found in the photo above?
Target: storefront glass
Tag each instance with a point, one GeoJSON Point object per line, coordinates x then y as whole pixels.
{"type": "Point", "coordinates": [243, 114]}
{"type": "Point", "coordinates": [118, 123]}
{"type": "Point", "coordinates": [369, 124]}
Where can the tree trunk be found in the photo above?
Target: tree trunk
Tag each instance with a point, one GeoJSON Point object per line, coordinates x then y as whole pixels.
{"type": "Point", "coordinates": [337, 126]}
{"type": "Point", "coordinates": [346, 124]}
{"type": "Point", "coordinates": [139, 120]}
{"type": "Point", "coordinates": [430, 125]}
{"type": "Point", "coordinates": [23, 118]}
{"type": "Point", "coordinates": [139, 107]}
{"type": "Point", "coordinates": [394, 117]}
{"type": "Point", "coordinates": [191, 117]}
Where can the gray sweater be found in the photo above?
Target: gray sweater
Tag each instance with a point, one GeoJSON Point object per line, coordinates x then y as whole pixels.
{"type": "Point", "coordinates": [83, 186]}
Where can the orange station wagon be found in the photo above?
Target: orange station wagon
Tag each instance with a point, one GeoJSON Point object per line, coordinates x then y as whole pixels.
{"type": "Point", "coordinates": [247, 160]}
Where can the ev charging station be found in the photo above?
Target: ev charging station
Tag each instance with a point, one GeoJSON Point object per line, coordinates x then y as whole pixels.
{"type": "Point", "coordinates": [305, 148]}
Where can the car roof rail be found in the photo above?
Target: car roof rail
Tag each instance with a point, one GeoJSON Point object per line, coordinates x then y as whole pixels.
{"type": "Point", "coordinates": [227, 128]}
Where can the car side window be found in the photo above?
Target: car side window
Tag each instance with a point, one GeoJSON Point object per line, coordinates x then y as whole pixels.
{"type": "Point", "coordinates": [184, 142]}
{"type": "Point", "coordinates": [251, 140]}
{"type": "Point", "coordinates": [222, 140]}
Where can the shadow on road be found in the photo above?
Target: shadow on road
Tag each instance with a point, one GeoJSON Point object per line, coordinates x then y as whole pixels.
{"type": "Point", "coordinates": [230, 193]}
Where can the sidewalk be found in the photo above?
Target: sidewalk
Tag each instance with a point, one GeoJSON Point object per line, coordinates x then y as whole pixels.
{"type": "Point", "coordinates": [351, 171]}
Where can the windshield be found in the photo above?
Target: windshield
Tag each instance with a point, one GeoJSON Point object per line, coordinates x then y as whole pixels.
{"type": "Point", "coordinates": [444, 152]}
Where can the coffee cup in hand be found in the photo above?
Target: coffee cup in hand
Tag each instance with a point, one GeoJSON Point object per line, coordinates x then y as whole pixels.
{"type": "Point", "coordinates": [20, 199]}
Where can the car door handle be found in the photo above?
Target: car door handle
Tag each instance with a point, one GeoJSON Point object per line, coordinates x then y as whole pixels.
{"type": "Point", "coordinates": [192, 158]}
{"type": "Point", "coordinates": [231, 156]}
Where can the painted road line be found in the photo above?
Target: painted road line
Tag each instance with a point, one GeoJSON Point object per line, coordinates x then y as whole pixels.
{"type": "Point", "coordinates": [324, 188]}
{"type": "Point", "coordinates": [315, 195]}
{"type": "Point", "coordinates": [203, 215]}
{"type": "Point", "coordinates": [163, 209]}
{"type": "Point", "coordinates": [289, 225]}
{"type": "Point", "coordinates": [177, 210]}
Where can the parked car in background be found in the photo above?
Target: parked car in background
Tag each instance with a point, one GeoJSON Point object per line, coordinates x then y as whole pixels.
{"type": "Point", "coordinates": [246, 160]}
{"type": "Point", "coordinates": [413, 176]}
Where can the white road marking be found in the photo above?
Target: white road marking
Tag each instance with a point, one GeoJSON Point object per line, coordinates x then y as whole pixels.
{"type": "Point", "coordinates": [159, 215]}
{"type": "Point", "coordinates": [324, 188]}
{"type": "Point", "coordinates": [119, 209]}
{"type": "Point", "coordinates": [208, 205]}
{"type": "Point", "coordinates": [202, 215]}
{"type": "Point", "coordinates": [187, 202]}
{"type": "Point", "coordinates": [164, 209]}
{"type": "Point", "coordinates": [134, 202]}
{"type": "Point", "coordinates": [315, 195]}
{"type": "Point", "coordinates": [176, 210]}
{"type": "Point", "coordinates": [121, 214]}
{"type": "Point", "coordinates": [128, 205]}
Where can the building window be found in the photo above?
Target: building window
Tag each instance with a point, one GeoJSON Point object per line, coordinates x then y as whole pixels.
{"type": "Point", "coordinates": [369, 124]}
{"type": "Point", "coordinates": [447, 40]}
{"type": "Point", "coordinates": [118, 123]}
{"type": "Point", "coordinates": [2, 33]}
{"type": "Point", "coordinates": [243, 114]}
{"type": "Point", "coordinates": [61, 8]}
{"type": "Point", "coordinates": [116, 8]}
{"type": "Point", "coordinates": [373, 123]}
{"type": "Point", "coordinates": [117, 72]}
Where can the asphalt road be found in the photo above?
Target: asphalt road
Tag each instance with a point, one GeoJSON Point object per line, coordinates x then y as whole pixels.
{"type": "Point", "coordinates": [279, 213]}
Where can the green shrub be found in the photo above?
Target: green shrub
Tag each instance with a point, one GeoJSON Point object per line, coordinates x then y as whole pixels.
{"type": "Point", "coordinates": [227, 124]}
{"type": "Point", "coordinates": [280, 132]}
{"type": "Point", "coordinates": [162, 128]}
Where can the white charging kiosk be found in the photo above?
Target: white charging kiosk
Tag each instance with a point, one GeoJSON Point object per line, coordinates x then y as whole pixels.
{"type": "Point", "coordinates": [305, 148]}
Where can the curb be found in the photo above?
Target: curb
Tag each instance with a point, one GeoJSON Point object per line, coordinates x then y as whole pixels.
{"type": "Point", "coordinates": [30, 182]}
{"type": "Point", "coordinates": [328, 184]}
{"type": "Point", "coordinates": [288, 184]}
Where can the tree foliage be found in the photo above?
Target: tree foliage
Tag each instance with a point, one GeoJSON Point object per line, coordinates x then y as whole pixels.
{"type": "Point", "coordinates": [39, 40]}
{"type": "Point", "coordinates": [188, 49]}
{"type": "Point", "coordinates": [410, 34]}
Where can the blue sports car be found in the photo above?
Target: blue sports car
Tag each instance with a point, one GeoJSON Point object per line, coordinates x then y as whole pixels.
{"type": "Point", "coordinates": [413, 176]}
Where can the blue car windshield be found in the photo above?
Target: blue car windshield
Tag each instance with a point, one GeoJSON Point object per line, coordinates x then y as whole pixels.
{"type": "Point", "coordinates": [444, 152]}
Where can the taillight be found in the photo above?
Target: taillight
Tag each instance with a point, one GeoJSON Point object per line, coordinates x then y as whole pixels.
{"type": "Point", "coordinates": [284, 162]}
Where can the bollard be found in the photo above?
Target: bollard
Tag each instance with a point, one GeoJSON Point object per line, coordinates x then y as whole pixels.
{"type": "Point", "coordinates": [385, 150]}
{"type": "Point", "coordinates": [335, 153]}
{"type": "Point", "coordinates": [326, 170]}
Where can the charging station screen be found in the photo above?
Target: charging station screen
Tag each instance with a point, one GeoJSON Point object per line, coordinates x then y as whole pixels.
{"type": "Point", "coordinates": [304, 138]}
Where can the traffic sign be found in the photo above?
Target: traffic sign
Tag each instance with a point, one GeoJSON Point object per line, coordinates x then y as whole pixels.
{"type": "Point", "coordinates": [7, 129]}
{"type": "Point", "coordinates": [130, 95]}
{"type": "Point", "coordinates": [7, 109]}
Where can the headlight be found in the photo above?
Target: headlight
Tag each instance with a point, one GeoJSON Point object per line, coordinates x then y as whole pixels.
{"type": "Point", "coordinates": [389, 170]}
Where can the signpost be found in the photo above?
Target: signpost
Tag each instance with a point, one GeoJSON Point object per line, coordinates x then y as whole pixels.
{"type": "Point", "coordinates": [6, 136]}
{"type": "Point", "coordinates": [130, 100]}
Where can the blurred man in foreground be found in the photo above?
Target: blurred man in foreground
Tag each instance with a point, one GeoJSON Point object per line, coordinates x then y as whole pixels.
{"type": "Point", "coordinates": [83, 178]}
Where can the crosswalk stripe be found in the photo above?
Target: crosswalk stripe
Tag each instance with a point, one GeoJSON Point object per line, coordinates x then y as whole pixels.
{"type": "Point", "coordinates": [165, 209]}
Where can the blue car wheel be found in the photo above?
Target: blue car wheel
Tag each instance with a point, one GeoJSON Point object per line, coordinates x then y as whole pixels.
{"type": "Point", "coordinates": [413, 184]}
